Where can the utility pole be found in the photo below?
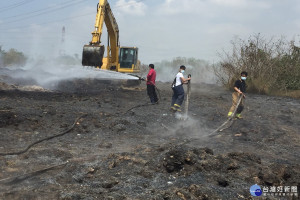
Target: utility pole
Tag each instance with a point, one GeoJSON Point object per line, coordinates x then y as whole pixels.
{"type": "Point", "coordinates": [62, 45]}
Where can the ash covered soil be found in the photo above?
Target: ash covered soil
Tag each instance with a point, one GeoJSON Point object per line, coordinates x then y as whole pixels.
{"type": "Point", "coordinates": [116, 146]}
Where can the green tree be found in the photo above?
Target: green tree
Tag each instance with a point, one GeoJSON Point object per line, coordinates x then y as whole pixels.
{"type": "Point", "coordinates": [12, 57]}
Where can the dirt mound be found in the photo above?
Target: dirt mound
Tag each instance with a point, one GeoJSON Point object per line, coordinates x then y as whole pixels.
{"type": "Point", "coordinates": [7, 117]}
{"type": "Point", "coordinates": [28, 88]}
{"type": "Point", "coordinates": [5, 86]}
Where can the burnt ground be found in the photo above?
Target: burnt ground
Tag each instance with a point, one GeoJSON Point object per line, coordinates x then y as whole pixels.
{"type": "Point", "coordinates": [122, 148]}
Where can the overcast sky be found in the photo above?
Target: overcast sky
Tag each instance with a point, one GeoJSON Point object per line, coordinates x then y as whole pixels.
{"type": "Point", "coordinates": [161, 29]}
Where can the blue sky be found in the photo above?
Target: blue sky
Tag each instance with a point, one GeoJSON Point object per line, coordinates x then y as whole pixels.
{"type": "Point", "coordinates": [162, 29]}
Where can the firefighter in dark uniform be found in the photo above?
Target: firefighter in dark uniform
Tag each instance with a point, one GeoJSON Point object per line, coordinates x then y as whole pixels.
{"type": "Point", "coordinates": [239, 89]}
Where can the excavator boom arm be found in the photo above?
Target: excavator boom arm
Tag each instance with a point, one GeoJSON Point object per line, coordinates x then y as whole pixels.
{"type": "Point", "coordinates": [113, 33]}
{"type": "Point", "coordinates": [93, 54]}
{"type": "Point", "coordinates": [99, 22]}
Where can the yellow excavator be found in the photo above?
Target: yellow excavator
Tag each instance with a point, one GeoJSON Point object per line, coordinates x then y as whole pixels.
{"type": "Point", "coordinates": [120, 59]}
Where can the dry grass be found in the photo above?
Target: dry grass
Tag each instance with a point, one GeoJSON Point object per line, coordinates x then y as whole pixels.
{"type": "Point", "coordinates": [291, 93]}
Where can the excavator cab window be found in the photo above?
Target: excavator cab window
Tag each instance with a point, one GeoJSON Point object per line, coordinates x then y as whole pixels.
{"type": "Point", "coordinates": [127, 57]}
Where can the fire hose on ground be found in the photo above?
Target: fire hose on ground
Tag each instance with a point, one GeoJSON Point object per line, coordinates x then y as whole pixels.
{"type": "Point", "coordinates": [44, 139]}
{"type": "Point", "coordinates": [230, 119]}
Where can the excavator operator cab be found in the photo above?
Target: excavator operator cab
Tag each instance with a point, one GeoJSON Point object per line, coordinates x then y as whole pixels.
{"type": "Point", "coordinates": [128, 59]}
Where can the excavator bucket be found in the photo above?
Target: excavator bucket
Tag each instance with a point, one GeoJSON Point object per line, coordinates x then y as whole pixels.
{"type": "Point", "coordinates": [92, 55]}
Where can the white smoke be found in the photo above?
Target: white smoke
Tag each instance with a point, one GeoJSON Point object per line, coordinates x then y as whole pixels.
{"type": "Point", "coordinates": [48, 73]}
{"type": "Point", "coordinates": [201, 71]}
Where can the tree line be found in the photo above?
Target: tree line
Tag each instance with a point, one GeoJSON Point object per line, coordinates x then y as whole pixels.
{"type": "Point", "coordinates": [13, 57]}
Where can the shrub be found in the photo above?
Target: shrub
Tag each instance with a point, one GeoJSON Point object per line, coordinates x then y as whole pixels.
{"type": "Point", "coordinates": [12, 57]}
{"type": "Point", "coordinates": [272, 65]}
